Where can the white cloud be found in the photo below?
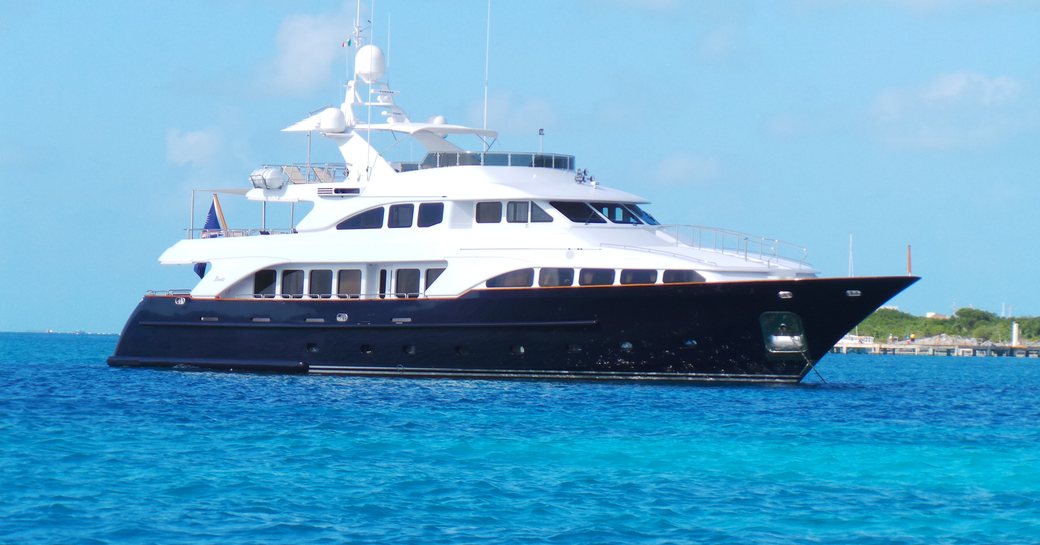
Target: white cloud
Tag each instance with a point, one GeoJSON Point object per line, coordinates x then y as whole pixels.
{"type": "Point", "coordinates": [195, 148]}
{"type": "Point", "coordinates": [684, 168]}
{"type": "Point", "coordinates": [955, 110]}
{"type": "Point", "coordinates": [308, 48]}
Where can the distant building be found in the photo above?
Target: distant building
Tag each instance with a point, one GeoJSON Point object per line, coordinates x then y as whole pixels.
{"type": "Point", "coordinates": [936, 316]}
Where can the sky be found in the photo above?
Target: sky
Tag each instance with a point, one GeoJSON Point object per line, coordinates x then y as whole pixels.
{"type": "Point", "coordinates": [893, 122]}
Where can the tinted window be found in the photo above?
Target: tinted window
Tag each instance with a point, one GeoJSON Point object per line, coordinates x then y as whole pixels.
{"type": "Point", "coordinates": [616, 212]}
{"type": "Point", "coordinates": [578, 212]}
{"type": "Point", "coordinates": [292, 282]}
{"type": "Point", "coordinates": [349, 283]}
{"type": "Point", "coordinates": [489, 212]}
{"type": "Point", "coordinates": [263, 282]}
{"type": "Point", "coordinates": [676, 277]}
{"type": "Point", "coordinates": [642, 214]}
{"type": "Point", "coordinates": [638, 276]}
{"type": "Point", "coordinates": [321, 283]}
{"type": "Point", "coordinates": [371, 219]}
{"type": "Point", "coordinates": [382, 283]}
{"type": "Point", "coordinates": [516, 211]}
{"type": "Point", "coordinates": [407, 283]}
{"type": "Point", "coordinates": [596, 277]}
{"type": "Point", "coordinates": [538, 215]}
{"type": "Point", "coordinates": [431, 213]}
{"type": "Point", "coordinates": [549, 276]}
{"type": "Point", "coordinates": [432, 275]}
{"type": "Point", "coordinates": [400, 215]}
{"type": "Point", "coordinates": [522, 278]}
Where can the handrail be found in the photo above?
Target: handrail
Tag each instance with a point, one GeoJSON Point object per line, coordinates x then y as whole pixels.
{"type": "Point", "coordinates": [439, 159]}
{"type": "Point", "coordinates": [274, 176]}
{"type": "Point", "coordinates": [751, 247]}
{"type": "Point", "coordinates": [232, 233]}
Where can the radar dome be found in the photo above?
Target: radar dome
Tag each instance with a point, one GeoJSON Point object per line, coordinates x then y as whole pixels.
{"type": "Point", "coordinates": [332, 120]}
{"type": "Point", "coordinates": [369, 64]}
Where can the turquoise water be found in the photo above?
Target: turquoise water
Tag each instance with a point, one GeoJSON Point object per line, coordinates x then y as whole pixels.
{"type": "Point", "coordinates": [889, 450]}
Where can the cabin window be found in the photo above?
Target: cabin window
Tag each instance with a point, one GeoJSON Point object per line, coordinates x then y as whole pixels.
{"type": "Point", "coordinates": [522, 278]}
{"type": "Point", "coordinates": [638, 276]}
{"type": "Point", "coordinates": [370, 219]}
{"type": "Point", "coordinates": [400, 216]}
{"type": "Point", "coordinates": [406, 283]}
{"type": "Point", "coordinates": [551, 276]}
{"type": "Point", "coordinates": [382, 284]}
{"type": "Point", "coordinates": [516, 211]}
{"type": "Point", "coordinates": [263, 282]}
{"type": "Point", "coordinates": [678, 277]}
{"type": "Point", "coordinates": [321, 283]}
{"type": "Point", "coordinates": [596, 277]}
{"type": "Point", "coordinates": [578, 212]}
{"type": "Point", "coordinates": [348, 284]}
{"type": "Point", "coordinates": [292, 283]}
{"type": "Point", "coordinates": [489, 212]}
{"type": "Point", "coordinates": [538, 215]}
{"type": "Point", "coordinates": [432, 275]}
{"type": "Point", "coordinates": [431, 213]}
{"type": "Point", "coordinates": [616, 212]}
{"type": "Point", "coordinates": [642, 214]}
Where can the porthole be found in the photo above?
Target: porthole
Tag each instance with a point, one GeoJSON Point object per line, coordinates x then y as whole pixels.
{"type": "Point", "coordinates": [367, 349]}
{"type": "Point", "coordinates": [626, 346]}
{"type": "Point", "coordinates": [462, 350]}
{"type": "Point", "coordinates": [690, 343]}
{"type": "Point", "coordinates": [408, 349]}
{"type": "Point", "coordinates": [313, 348]}
{"type": "Point", "coordinates": [517, 350]}
{"type": "Point", "coordinates": [574, 349]}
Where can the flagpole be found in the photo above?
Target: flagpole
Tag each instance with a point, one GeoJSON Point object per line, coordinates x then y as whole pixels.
{"type": "Point", "coordinates": [220, 215]}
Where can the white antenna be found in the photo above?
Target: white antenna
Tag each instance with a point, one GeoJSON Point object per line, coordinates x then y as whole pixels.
{"type": "Point", "coordinates": [487, 62]}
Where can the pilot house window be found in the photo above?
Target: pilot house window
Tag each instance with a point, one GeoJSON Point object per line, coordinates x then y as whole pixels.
{"type": "Point", "coordinates": [371, 219]}
{"type": "Point", "coordinates": [578, 212]}
{"type": "Point", "coordinates": [489, 212]}
{"type": "Point", "coordinates": [400, 216]}
{"type": "Point", "coordinates": [431, 213]}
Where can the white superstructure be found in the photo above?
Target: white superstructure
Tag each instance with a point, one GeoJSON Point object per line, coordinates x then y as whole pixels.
{"type": "Point", "coordinates": [454, 221]}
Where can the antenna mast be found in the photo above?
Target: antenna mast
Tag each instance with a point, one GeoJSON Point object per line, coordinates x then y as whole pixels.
{"type": "Point", "coordinates": [487, 62]}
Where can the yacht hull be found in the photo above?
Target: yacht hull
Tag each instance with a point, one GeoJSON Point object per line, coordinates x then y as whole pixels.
{"type": "Point", "coordinates": [676, 332]}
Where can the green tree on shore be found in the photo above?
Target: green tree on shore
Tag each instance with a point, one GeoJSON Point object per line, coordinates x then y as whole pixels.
{"type": "Point", "coordinates": [966, 322]}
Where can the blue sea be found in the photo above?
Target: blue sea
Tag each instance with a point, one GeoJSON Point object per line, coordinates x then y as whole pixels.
{"type": "Point", "coordinates": [894, 449]}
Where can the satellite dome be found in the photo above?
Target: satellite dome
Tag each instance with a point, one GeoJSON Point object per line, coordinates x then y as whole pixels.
{"type": "Point", "coordinates": [332, 120]}
{"type": "Point", "coordinates": [369, 64]}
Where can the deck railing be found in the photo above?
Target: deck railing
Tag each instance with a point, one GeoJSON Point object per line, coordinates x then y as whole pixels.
{"type": "Point", "coordinates": [750, 247]}
{"type": "Point", "coordinates": [491, 159]}
{"type": "Point", "coordinates": [276, 176]}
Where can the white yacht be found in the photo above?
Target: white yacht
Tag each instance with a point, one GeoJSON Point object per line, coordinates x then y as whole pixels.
{"type": "Point", "coordinates": [485, 264]}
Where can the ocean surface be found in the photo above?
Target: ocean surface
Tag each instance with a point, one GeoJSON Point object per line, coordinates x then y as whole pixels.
{"type": "Point", "coordinates": [895, 449]}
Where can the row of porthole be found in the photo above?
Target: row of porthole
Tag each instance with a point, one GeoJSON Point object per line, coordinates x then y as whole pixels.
{"type": "Point", "coordinates": [516, 350]}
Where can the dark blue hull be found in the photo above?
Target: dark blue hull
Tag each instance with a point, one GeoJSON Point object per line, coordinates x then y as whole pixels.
{"type": "Point", "coordinates": [677, 332]}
